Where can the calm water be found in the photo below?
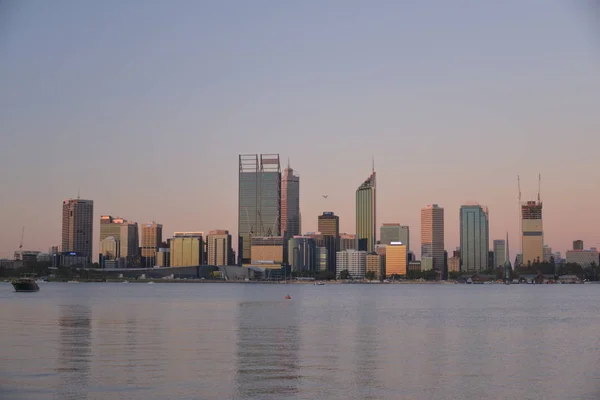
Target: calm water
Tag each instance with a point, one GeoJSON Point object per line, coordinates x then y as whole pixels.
{"type": "Point", "coordinates": [244, 341]}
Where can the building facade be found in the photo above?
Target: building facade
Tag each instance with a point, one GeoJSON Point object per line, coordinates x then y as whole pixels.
{"type": "Point", "coordinates": [259, 200]}
{"type": "Point", "coordinates": [366, 214]}
{"type": "Point", "coordinates": [474, 238]}
{"type": "Point", "coordinates": [577, 244]}
{"type": "Point", "coordinates": [585, 258]}
{"type": "Point", "coordinates": [290, 203]}
{"type": "Point", "coordinates": [267, 251]}
{"type": "Point", "coordinates": [348, 241]}
{"type": "Point", "coordinates": [432, 236]}
{"type": "Point", "coordinates": [354, 261]}
{"type": "Point", "coordinates": [499, 253]}
{"type": "Point", "coordinates": [302, 254]}
{"type": "Point", "coordinates": [396, 260]}
{"type": "Point", "coordinates": [78, 227]}
{"type": "Point", "coordinates": [329, 226]}
{"type": "Point", "coordinates": [394, 232]}
{"type": "Point", "coordinates": [375, 265]}
{"type": "Point", "coordinates": [151, 239]}
{"type": "Point", "coordinates": [186, 249]}
{"type": "Point", "coordinates": [219, 248]}
{"type": "Point", "coordinates": [532, 232]}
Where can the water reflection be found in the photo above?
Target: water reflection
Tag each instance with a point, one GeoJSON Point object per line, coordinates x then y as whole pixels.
{"type": "Point", "coordinates": [267, 350]}
{"type": "Point", "coordinates": [366, 369]}
{"type": "Point", "coordinates": [75, 351]}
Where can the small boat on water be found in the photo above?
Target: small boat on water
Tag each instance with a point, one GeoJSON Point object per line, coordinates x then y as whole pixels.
{"type": "Point", "coordinates": [150, 283]}
{"type": "Point", "coordinates": [320, 283]}
{"type": "Point", "coordinates": [25, 284]}
{"type": "Point", "coordinates": [288, 297]}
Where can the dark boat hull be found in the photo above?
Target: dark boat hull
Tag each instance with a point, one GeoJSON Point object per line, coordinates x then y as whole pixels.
{"type": "Point", "coordinates": [25, 286]}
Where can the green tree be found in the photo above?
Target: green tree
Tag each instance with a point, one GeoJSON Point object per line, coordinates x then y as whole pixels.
{"type": "Point", "coordinates": [345, 274]}
{"type": "Point", "coordinates": [454, 275]}
{"type": "Point", "coordinates": [370, 275]}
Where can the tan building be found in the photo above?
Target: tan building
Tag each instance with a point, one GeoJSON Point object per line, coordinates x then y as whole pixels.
{"type": "Point", "coordinates": [396, 259]}
{"type": "Point", "coordinates": [375, 264]}
{"type": "Point", "coordinates": [186, 249]}
{"type": "Point", "coordinates": [532, 234]}
{"type": "Point", "coordinates": [151, 238]}
{"type": "Point", "coordinates": [267, 251]}
{"type": "Point", "coordinates": [454, 264]}
{"type": "Point", "coordinates": [348, 242]}
{"type": "Point", "coordinates": [432, 235]}
{"type": "Point", "coordinates": [219, 248]}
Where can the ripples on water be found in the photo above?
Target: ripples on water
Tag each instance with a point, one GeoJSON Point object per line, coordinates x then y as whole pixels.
{"type": "Point", "coordinates": [244, 341]}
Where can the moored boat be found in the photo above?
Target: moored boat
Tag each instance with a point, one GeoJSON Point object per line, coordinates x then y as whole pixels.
{"type": "Point", "coordinates": [25, 284]}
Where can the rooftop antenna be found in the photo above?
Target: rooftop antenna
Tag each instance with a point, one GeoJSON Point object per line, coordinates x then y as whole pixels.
{"type": "Point", "coordinates": [520, 216]}
{"type": "Point", "coordinates": [77, 193]}
{"type": "Point", "coordinates": [373, 163]}
{"type": "Point", "coordinates": [22, 234]}
{"type": "Point", "coordinates": [539, 186]}
{"type": "Point", "coordinates": [288, 163]}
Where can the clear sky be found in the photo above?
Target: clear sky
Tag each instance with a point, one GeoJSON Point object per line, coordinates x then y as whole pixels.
{"type": "Point", "coordinates": [144, 106]}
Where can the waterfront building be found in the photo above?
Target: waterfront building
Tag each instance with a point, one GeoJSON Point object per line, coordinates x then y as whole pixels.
{"type": "Point", "coordinates": [329, 227]}
{"type": "Point", "coordinates": [427, 263]}
{"type": "Point", "coordinates": [322, 259]}
{"type": "Point", "coordinates": [267, 251]}
{"type": "Point", "coordinates": [532, 232]}
{"type": "Point", "coordinates": [396, 259]}
{"type": "Point", "coordinates": [259, 201]}
{"type": "Point", "coordinates": [348, 241]}
{"type": "Point", "coordinates": [78, 227]}
{"type": "Point", "coordinates": [432, 236]}
{"type": "Point", "coordinates": [354, 261]}
{"type": "Point", "coordinates": [151, 238]}
{"type": "Point", "coordinates": [163, 255]}
{"type": "Point", "coordinates": [220, 251]}
{"type": "Point", "coordinates": [366, 223]}
{"type": "Point", "coordinates": [126, 234]}
{"type": "Point", "coordinates": [394, 232]}
{"type": "Point", "coordinates": [376, 265]}
{"type": "Point", "coordinates": [186, 249]}
{"type": "Point", "coordinates": [499, 253]}
{"type": "Point", "coordinates": [290, 203]}
{"type": "Point", "coordinates": [454, 264]}
{"type": "Point", "coordinates": [302, 254]}
{"type": "Point", "coordinates": [474, 238]}
{"type": "Point", "coordinates": [585, 258]}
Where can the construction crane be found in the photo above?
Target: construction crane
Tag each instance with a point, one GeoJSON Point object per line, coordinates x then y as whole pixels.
{"type": "Point", "coordinates": [22, 235]}
{"type": "Point", "coordinates": [519, 186]}
{"type": "Point", "coordinates": [539, 186]}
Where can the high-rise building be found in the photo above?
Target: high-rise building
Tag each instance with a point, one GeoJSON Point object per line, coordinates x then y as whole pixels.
{"type": "Point", "coordinates": [577, 244]}
{"type": "Point", "coordinates": [78, 227]}
{"type": "Point", "coordinates": [432, 237]}
{"type": "Point", "coordinates": [354, 261]}
{"type": "Point", "coordinates": [322, 259]}
{"type": "Point", "coordinates": [259, 200]}
{"type": "Point", "coordinates": [302, 253]}
{"type": "Point", "coordinates": [186, 249]}
{"type": "Point", "coordinates": [532, 233]}
{"type": "Point", "coordinates": [348, 242]}
{"type": "Point", "coordinates": [127, 235]}
{"type": "Point", "coordinates": [393, 232]}
{"type": "Point", "coordinates": [499, 253]}
{"type": "Point", "coordinates": [267, 251]}
{"type": "Point", "coordinates": [151, 240]}
{"type": "Point", "coordinates": [366, 224]}
{"type": "Point", "coordinates": [474, 238]}
{"type": "Point", "coordinates": [375, 264]}
{"type": "Point", "coordinates": [290, 203]}
{"type": "Point", "coordinates": [329, 227]}
{"type": "Point", "coordinates": [219, 250]}
{"type": "Point", "coordinates": [396, 261]}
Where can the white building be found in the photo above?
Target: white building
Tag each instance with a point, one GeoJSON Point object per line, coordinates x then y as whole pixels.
{"type": "Point", "coordinates": [352, 260]}
{"type": "Point", "coordinates": [583, 257]}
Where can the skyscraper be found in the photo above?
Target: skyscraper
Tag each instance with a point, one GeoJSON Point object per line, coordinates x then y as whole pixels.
{"type": "Point", "coordinates": [127, 235]}
{"type": "Point", "coordinates": [329, 227]}
{"type": "Point", "coordinates": [577, 244]}
{"type": "Point", "coordinates": [259, 200]}
{"type": "Point", "coordinates": [290, 203]}
{"type": "Point", "coordinates": [389, 233]}
{"type": "Point", "coordinates": [432, 235]}
{"type": "Point", "coordinates": [499, 253]}
{"type": "Point", "coordinates": [474, 238]}
{"type": "Point", "coordinates": [532, 236]}
{"type": "Point", "coordinates": [78, 226]}
{"type": "Point", "coordinates": [151, 239]}
{"type": "Point", "coordinates": [366, 227]}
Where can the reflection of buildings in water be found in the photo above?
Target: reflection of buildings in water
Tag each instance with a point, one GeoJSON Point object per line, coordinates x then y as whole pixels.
{"type": "Point", "coordinates": [366, 376]}
{"type": "Point", "coordinates": [75, 351]}
{"type": "Point", "coordinates": [267, 350]}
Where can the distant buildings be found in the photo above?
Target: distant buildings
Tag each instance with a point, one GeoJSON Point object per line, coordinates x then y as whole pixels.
{"type": "Point", "coordinates": [354, 261]}
{"type": "Point", "coordinates": [499, 253]}
{"type": "Point", "coordinates": [394, 232]}
{"type": "Point", "coordinates": [302, 254]}
{"type": "Point", "coordinates": [432, 237]}
{"type": "Point", "coordinates": [259, 201]}
{"type": "Point", "coordinates": [116, 231]}
{"type": "Point", "coordinates": [329, 227]}
{"type": "Point", "coordinates": [578, 245]}
{"type": "Point", "coordinates": [151, 239]}
{"type": "Point", "coordinates": [267, 251]}
{"type": "Point", "coordinates": [375, 264]}
{"type": "Point", "coordinates": [396, 259]}
{"type": "Point", "coordinates": [474, 238]}
{"type": "Point", "coordinates": [290, 203]}
{"type": "Point", "coordinates": [585, 258]}
{"type": "Point", "coordinates": [219, 248]}
{"type": "Point", "coordinates": [532, 233]}
{"type": "Point", "coordinates": [348, 241]}
{"type": "Point", "coordinates": [366, 224]}
{"type": "Point", "coordinates": [186, 249]}
{"type": "Point", "coordinates": [78, 227]}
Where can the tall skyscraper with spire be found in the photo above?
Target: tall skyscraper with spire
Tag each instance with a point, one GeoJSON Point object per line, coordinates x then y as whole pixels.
{"type": "Point", "coordinates": [78, 226]}
{"type": "Point", "coordinates": [290, 203]}
{"type": "Point", "coordinates": [366, 224]}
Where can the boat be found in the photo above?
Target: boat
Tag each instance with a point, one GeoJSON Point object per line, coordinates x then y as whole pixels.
{"type": "Point", "coordinates": [288, 297]}
{"type": "Point", "coordinates": [25, 284]}
{"type": "Point", "coordinates": [320, 283]}
{"type": "Point", "coordinates": [150, 283]}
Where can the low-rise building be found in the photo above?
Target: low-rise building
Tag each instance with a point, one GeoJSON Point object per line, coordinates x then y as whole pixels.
{"type": "Point", "coordinates": [354, 261]}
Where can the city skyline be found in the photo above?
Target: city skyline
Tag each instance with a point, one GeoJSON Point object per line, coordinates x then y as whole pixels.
{"type": "Point", "coordinates": [160, 112]}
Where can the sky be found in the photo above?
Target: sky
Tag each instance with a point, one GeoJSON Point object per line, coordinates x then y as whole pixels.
{"type": "Point", "coordinates": [144, 107]}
